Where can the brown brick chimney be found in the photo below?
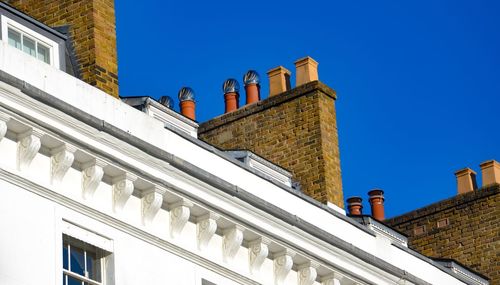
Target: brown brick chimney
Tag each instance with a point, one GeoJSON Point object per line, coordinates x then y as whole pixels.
{"type": "Point", "coordinates": [296, 129]}
{"type": "Point", "coordinates": [92, 31]}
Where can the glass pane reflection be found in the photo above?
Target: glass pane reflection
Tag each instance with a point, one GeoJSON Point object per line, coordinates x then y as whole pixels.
{"type": "Point", "coordinates": [77, 261]}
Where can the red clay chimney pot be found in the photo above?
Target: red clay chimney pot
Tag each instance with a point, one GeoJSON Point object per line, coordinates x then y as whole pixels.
{"type": "Point", "coordinates": [231, 100]}
{"type": "Point", "coordinates": [187, 104]}
{"type": "Point", "coordinates": [377, 204]}
{"type": "Point", "coordinates": [231, 89]}
{"type": "Point", "coordinates": [251, 80]}
{"type": "Point", "coordinates": [355, 206]}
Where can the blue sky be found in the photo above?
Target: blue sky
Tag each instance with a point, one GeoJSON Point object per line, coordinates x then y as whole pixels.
{"type": "Point", "coordinates": [418, 82]}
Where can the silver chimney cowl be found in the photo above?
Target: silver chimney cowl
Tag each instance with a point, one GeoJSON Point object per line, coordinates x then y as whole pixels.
{"type": "Point", "coordinates": [231, 85]}
{"type": "Point", "coordinates": [251, 77]}
{"type": "Point", "coordinates": [167, 101]}
{"type": "Point", "coordinates": [186, 94]}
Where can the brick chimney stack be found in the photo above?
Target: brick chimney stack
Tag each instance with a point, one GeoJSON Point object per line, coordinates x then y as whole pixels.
{"type": "Point", "coordinates": [293, 128]}
{"type": "Point", "coordinates": [92, 32]}
{"type": "Point", "coordinates": [466, 180]}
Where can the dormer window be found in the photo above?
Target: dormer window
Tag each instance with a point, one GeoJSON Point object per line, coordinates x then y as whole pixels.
{"type": "Point", "coordinates": [29, 45]}
{"type": "Point", "coordinates": [30, 41]}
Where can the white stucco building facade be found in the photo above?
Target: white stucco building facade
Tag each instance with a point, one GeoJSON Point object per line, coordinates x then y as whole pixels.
{"type": "Point", "coordinates": [143, 201]}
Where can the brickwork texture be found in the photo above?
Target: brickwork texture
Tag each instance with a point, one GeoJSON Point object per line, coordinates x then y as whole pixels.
{"type": "Point", "coordinates": [468, 230]}
{"type": "Point", "coordinates": [296, 130]}
{"type": "Point", "coordinates": [92, 30]}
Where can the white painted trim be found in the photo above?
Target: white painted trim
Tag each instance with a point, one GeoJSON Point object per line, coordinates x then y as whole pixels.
{"type": "Point", "coordinates": [87, 236]}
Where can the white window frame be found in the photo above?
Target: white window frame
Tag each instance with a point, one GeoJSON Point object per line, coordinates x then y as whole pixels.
{"type": "Point", "coordinates": [81, 246]}
{"type": "Point", "coordinates": [88, 237]}
{"type": "Point", "coordinates": [54, 52]}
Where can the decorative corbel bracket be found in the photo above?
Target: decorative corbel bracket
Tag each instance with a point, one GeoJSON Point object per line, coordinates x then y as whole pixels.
{"type": "Point", "coordinates": [206, 226]}
{"type": "Point", "coordinates": [283, 262]}
{"type": "Point", "coordinates": [28, 145]}
{"type": "Point", "coordinates": [3, 125]}
{"type": "Point", "coordinates": [123, 186]}
{"type": "Point", "coordinates": [151, 203]}
{"type": "Point", "coordinates": [92, 174]}
{"type": "Point", "coordinates": [307, 273]}
{"type": "Point", "coordinates": [233, 237]}
{"type": "Point", "coordinates": [179, 215]}
{"type": "Point", "coordinates": [331, 279]}
{"type": "Point", "coordinates": [61, 160]}
{"type": "Point", "coordinates": [257, 253]}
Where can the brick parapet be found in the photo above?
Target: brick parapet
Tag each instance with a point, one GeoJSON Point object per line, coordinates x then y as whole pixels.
{"type": "Point", "coordinates": [465, 228]}
{"type": "Point", "coordinates": [453, 202]}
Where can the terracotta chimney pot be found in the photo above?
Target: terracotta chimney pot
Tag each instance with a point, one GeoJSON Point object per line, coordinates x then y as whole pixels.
{"type": "Point", "coordinates": [490, 171]}
{"type": "Point", "coordinates": [355, 206]}
{"type": "Point", "coordinates": [466, 180]}
{"type": "Point", "coordinates": [251, 80]}
{"type": "Point", "coordinates": [279, 80]}
{"type": "Point", "coordinates": [231, 89]}
{"type": "Point", "coordinates": [187, 103]}
{"type": "Point", "coordinates": [306, 70]}
{"type": "Point", "coordinates": [377, 204]}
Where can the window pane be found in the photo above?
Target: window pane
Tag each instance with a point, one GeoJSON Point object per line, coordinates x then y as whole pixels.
{"type": "Point", "coordinates": [14, 39]}
{"type": "Point", "coordinates": [77, 261]}
{"type": "Point", "coordinates": [93, 266]}
{"type": "Point", "coordinates": [65, 256]}
{"type": "Point", "coordinates": [29, 46]}
{"type": "Point", "coordinates": [43, 53]}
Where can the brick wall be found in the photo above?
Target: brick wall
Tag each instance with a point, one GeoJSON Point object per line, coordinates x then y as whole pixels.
{"type": "Point", "coordinates": [468, 231]}
{"type": "Point", "coordinates": [92, 29]}
{"type": "Point", "coordinates": [296, 130]}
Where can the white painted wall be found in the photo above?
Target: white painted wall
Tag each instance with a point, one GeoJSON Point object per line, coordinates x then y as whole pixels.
{"type": "Point", "coordinates": [31, 246]}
